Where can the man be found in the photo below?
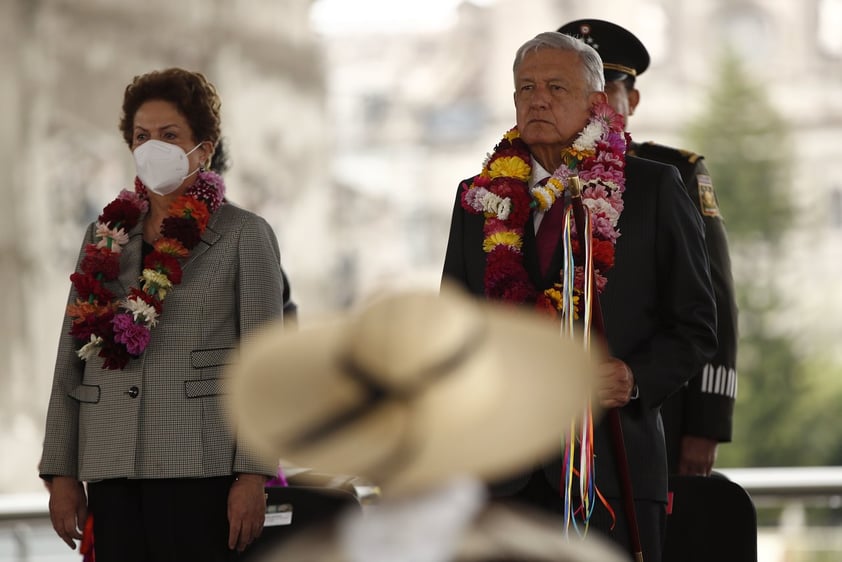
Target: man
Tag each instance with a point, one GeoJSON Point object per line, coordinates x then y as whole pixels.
{"type": "Point", "coordinates": [654, 284]}
{"type": "Point", "coordinates": [700, 415]}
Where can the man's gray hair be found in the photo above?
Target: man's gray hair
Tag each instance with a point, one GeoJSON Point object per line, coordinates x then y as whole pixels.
{"type": "Point", "coordinates": [594, 77]}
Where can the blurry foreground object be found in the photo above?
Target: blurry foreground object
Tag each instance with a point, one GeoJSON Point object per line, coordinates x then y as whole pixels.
{"type": "Point", "coordinates": [415, 388]}
{"type": "Point", "coordinates": [428, 396]}
{"type": "Point", "coordinates": [412, 529]}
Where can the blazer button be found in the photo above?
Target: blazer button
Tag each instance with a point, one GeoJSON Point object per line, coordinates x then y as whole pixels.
{"type": "Point", "coordinates": [133, 392]}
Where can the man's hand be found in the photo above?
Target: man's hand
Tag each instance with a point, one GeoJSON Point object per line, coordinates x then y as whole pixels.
{"type": "Point", "coordinates": [615, 384]}
{"type": "Point", "coordinates": [68, 508]}
{"type": "Point", "coordinates": [697, 455]}
{"type": "Point", "coordinates": [246, 510]}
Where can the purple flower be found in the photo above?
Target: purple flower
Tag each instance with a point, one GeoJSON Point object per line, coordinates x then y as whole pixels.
{"type": "Point", "coordinates": [134, 336]}
{"type": "Point", "coordinates": [135, 199]}
{"type": "Point", "coordinates": [210, 188]}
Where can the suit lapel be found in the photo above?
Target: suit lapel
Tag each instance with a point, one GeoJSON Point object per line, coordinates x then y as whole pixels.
{"type": "Point", "coordinates": [210, 236]}
{"type": "Point", "coordinates": [131, 261]}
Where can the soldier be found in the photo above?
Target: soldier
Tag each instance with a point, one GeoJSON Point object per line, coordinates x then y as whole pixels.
{"type": "Point", "coordinates": [700, 416]}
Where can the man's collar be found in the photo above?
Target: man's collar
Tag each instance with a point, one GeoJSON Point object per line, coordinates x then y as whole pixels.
{"type": "Point", "coordinates": [538, 172]}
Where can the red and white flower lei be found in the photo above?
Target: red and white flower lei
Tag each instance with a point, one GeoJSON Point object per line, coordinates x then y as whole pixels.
{"type": "Point", "coordinates": [501, 193]}
{"type": "Point", "coordinates": [118, 330]}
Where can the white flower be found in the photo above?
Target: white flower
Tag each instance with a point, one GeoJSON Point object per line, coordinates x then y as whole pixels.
{"type": "Point", "coordinates": [494, 204]}
{"type": "Point", "coordinates": [547, 194]}
{"type": "Point", "coordinates": [90, 349]}
{"type": "Point", "coordinates": [504, 209]}
{"type": "Point", "coordinates": [140, 308]}
{"type": "Point", "coordinates": [587, 139]}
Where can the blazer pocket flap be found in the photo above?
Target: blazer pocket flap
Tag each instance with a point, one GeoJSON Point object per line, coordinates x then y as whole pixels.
{"type": "Point", "coordinates": [203, 358]}
{"type": "Point", "coordinates": [88, 393]}
{"type": "Point", "coordinates": [204, 387]}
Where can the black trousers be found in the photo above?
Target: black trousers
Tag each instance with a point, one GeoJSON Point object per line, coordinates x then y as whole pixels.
{"type": "Point", "coordinates": [651, 516]}
{"type": "Point", "coordinates": [167, 520]}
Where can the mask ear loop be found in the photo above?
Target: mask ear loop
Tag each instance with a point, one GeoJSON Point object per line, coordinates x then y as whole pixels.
{"type": "Point", "coordinates": [201, 167]}
{"type": "Point", "coordinates": [206, 165]}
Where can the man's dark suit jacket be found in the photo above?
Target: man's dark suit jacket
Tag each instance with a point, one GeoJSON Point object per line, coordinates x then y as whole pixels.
{"type": "Point", "coordinates": [658, 309]}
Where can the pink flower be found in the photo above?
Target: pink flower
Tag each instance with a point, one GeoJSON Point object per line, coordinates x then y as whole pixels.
{"type": "Point", "coordinates": [210, 190]}
{"type": "Point", "coordinates": [579, 279]}
{"type": "Point", "coordinates": [617, 142]}
{"type": "Point", "coordinates": [134, 336]}
{"type": "Point", "coordinates": [611, 159]}
{"type": "Point", "coordinates": [603, 228]}
{"type": "Point", "coordinates": [605, 113]}
{"type": "Point", "coordinates": [135, 199]}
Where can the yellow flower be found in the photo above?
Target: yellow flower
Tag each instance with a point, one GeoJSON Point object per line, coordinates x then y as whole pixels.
{"type": "Point", "coordinates": [581, 154]}
{"type": "Point", "coordinates": [556, 183]}
{"type": "Point", "coordinates": [158, 282]}
{"type": "Point", "coordinates": [510, 166]}
{"type": "Point", "coordinates": [506, 237]}
{"type": "Point", "coordinates": [555, 297]}
{"type": "Point", "coordinates": [544, 199]}
{"type": "Point", "coordinates": [512, 134]}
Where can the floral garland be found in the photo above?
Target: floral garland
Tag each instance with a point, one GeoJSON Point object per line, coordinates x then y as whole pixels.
{"type": "Point", "coordinates": [501, 193]}
{"type": "Point", "coordinates": [118, 330]}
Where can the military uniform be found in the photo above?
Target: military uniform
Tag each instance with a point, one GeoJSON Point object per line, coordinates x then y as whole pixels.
{"type": "Point", "coordinates": [705, 406]}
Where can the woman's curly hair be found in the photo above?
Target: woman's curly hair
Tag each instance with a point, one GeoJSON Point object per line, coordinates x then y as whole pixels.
{"type": "Point", "coordinates": [190, 92]}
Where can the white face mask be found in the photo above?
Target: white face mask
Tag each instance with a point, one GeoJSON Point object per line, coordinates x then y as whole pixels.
{"type": "Point", "coordinates": [162, 166]}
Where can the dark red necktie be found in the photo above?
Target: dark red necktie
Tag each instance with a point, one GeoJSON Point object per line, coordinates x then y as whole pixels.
{"type": "Point", "coordinates": [549, 233]}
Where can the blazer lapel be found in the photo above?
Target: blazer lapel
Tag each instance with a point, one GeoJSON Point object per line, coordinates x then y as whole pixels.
{"type": "Point", "coordinates": [209, 237]}
{"type": "Point", "coordinates": [131, 260]}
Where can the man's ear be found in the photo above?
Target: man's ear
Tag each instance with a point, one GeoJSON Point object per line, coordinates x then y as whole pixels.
{"type": "Point", "coordinates": [634, 99]}
{"type": "Point", "coordinates": [598, 97]}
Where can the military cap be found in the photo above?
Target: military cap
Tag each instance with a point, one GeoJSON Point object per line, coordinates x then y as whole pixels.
{"type": "Point", "coordinates": [622, 53]}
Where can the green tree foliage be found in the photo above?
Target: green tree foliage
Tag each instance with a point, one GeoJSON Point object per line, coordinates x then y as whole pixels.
{"type": "Point", "coordinates": [745, 143]}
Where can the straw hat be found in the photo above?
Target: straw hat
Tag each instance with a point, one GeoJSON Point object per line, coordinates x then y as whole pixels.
{"type": "Point", "coordinates": [414, 388]}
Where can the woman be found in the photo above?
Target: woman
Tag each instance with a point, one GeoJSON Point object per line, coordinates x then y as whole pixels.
{"type": "Point", "coordinates": [169, 279]}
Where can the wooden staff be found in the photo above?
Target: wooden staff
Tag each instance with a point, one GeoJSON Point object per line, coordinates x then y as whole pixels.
{"type": "Point", "coordinates": [613, 414]}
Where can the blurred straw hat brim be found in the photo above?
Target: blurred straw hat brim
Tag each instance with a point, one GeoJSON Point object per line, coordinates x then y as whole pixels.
{"type": "Point", "coordinates": [415, 387]}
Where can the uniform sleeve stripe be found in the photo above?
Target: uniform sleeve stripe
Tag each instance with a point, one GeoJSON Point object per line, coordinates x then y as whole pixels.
{"type": "Point", "coordinates": [719, 380]}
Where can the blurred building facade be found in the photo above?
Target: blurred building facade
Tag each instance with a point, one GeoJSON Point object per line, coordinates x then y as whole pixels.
{"type": "Point", "coordinates": [352, 145]}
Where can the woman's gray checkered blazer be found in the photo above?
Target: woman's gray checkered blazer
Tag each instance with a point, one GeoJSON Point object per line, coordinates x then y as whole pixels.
{"type": "Point", "coordinates": [162, 416]}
